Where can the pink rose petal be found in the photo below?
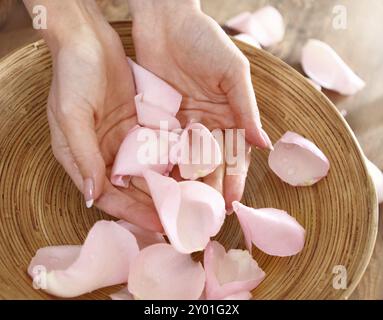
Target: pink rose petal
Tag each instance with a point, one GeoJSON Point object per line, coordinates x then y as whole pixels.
{"type": "Point", "coordinates": [151, 116]}
{"type": "Point", "coordinates": [161, 272]}
{"type": "Point", "coordinates": [230, 274]}
{"type": "Point", "coordinates": [248, 39]}
{"type": "Point", "coordinates": [245, 295]}
{"type": "Point", "coordinates": [323, 65]}
{"type": "Point", "coordinates": [271, 22]}
{"type": "Point", "coordinates": [273, 231]}
{"type": "Point", "coordinates": [123, 294]}
{"type": "Point", "coordinates": [265, 25]}
{"type": "Point", "coordinates": [200, 153]}
{"type": "Point", "coordinates": [240, 21]}
{"type": "Point", "coordinates": [314, 84]}
{"type": "Point", "coordinates": [156, 101]}
{"type": "Point", "coordinates": [144, 237]}
{"type": "Point", "coordinates": [103, 260]}
{"type": "Point", "coordinates": [377, 178]}
{"type": "Point", "coordinates": [343, 112]}
{"type": "Point", "coordinates": [142, 149]}
{"type": "Point", "coordinates": [298, 161]}
{"type": "Point", "coordinates": [190, 211]}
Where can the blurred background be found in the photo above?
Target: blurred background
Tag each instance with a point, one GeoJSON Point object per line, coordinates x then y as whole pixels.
{"type": "Point", "coordinates": [360, 44]}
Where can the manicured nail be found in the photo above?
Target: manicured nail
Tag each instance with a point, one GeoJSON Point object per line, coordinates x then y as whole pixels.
{"type": "Point", "coordinates": [88, 192]}
{"type": "Point", "coordinates": [229, 211]}
{"type": "Point", "coordinates": [267, 140]}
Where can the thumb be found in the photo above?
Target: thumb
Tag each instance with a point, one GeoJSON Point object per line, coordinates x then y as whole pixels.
{"type": "Point", "coordinates": [83, 144]}
{"type": "Point", "coordinates": [241, 98]}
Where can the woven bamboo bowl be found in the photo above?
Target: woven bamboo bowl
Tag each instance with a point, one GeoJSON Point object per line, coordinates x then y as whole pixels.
{"type": "Point", "coordinates": [40, 206]}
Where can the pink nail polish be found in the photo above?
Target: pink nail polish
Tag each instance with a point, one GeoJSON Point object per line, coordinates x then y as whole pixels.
{"type": "Point", "coordinates": [229, 211]}
{"type": "Point", "coordinates": [267, 139]}
{"type": "Point", "coordinates": [88, 192]}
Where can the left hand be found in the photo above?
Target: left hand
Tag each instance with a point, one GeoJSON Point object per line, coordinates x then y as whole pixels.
{"type": "Point", "coordinates": [179, 43]}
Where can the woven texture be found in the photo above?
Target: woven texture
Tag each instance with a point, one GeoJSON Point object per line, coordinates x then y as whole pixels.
{"type": "Point", "coordinates": [40, 206]}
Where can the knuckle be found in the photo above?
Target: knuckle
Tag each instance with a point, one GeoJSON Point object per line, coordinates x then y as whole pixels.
{"type": "Point", "coordinates": [64, 114]}
{"type": "Point", "coordinates": [90, 157]}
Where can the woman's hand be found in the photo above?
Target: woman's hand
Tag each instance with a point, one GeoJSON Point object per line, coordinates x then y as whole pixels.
{"type": "Point", "coordinates": [91, 108]}
{"type": "Point", "coordinates": [188, 49]}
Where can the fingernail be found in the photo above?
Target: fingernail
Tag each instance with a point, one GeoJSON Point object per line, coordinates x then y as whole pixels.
{"type": "Point", "coordinates": [267, 140]}
{"type": "Point", "coordinates": [88, 192]}
{"type": "Point", "coordinates": [229, 211]}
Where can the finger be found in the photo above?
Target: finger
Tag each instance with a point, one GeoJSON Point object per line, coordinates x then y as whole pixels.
{"type": "Point", "coordinates": [241, 97]}
{"type": "Point", "coordinates": [235, 178]}
{"type": "Point", "coordinates": [78, 129]}
{"type": "Point", "coordinates": [62, 153]}
{"type": "Point", "coordinates": [140, 184]}
{"type": "Point", "coordinates": [205, 112]}
{"type": "Point", "coordinates": [216, 178]}
{"type": "Point", "coordinates": [123, 205]}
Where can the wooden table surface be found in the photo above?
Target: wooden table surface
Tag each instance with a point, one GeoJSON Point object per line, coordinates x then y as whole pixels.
{"type": "Point", "coordinates": [360, 45]}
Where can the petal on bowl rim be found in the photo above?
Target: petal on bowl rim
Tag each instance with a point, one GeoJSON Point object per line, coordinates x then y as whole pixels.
{"type": "Point", "coordinates": [248, 39]}
{"type": "Point", "coordinates": [123, 294]}
{"type": "Point", "coordinates": [271, 230]}
{"type": "Point", "coordinates": [297, 160]}
{"type": "Point", "coordinates": [377, 178]}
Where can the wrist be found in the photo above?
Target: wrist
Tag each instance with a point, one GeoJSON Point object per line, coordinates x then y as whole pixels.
{"type": "Point", "coordinates": [68, 22]}
{"type": "Point", "coordinates": [150, 8]}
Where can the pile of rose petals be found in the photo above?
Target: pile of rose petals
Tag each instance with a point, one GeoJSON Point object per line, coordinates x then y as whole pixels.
{"type": "Point", "coordinates": [191, 213]}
